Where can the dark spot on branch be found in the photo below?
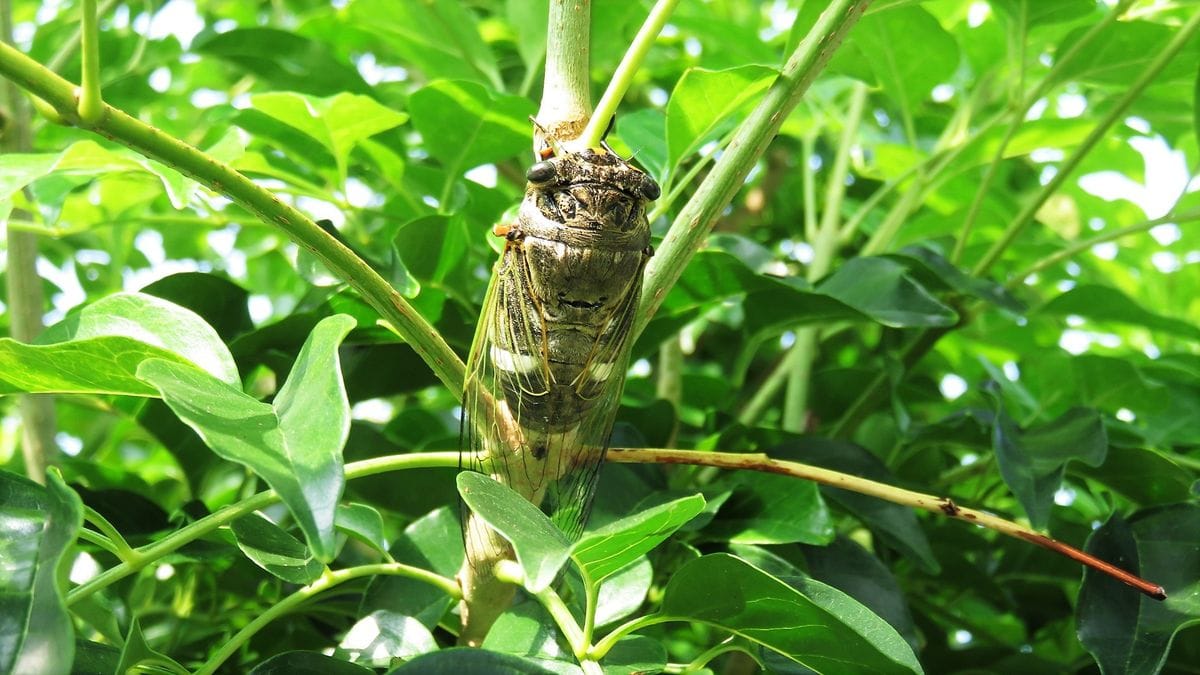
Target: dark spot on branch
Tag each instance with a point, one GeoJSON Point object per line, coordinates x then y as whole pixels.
{"type": "Point", "coordinates": [948, 507]}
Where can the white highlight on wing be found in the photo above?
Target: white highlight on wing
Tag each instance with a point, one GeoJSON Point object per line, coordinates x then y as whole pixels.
{"type": "Point", "coordinates": [513, 363]}
{"type": "Point", "coordinates": [599, 372]}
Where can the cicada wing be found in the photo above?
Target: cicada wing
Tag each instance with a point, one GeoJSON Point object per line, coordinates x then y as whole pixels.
{"type": "Point", "coordinates": [569, 498]}
{"type": "Point", "coordinates": [507, 355]}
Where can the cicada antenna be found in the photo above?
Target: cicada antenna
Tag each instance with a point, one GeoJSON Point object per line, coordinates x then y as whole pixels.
{"type": "Point", "coordinates": [551, 146]}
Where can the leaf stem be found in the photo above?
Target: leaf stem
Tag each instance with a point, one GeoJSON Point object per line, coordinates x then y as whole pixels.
{"type": "Point", "coordinates": [328, 580]}
{"type": "Point", "coordinates": [118, 126]}
{"type": "Point", "coordinates": [716, 191]}
{"type": "Point", "coordinates": [605, 645]}
{"type": "Point", "coordinates": [1085, 244]}
{"type": "Point", "coordinates": [189, 533]}
{"type": "Point", "coordinates": [917, 500]}
{"type": "Point", "coordinates": [623, 76]}
{"type": "Point", "coordinates": [1026, 216]}
{"type": "Point", "coordinates": [122, 548]}
{"type": "Point", "coordinates": [91, 104]}
{"type": "Point", "coordinates": [824, 245]}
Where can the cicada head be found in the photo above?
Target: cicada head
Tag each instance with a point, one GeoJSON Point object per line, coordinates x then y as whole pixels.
{"type": "Point", "coordinates": [591, 190]}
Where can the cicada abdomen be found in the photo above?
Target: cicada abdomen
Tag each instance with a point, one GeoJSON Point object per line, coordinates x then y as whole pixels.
{"type": "Point", "coordinates": [550, 354]}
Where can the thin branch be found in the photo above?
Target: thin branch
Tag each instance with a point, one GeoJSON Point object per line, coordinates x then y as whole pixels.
{"type": "Point", "coordinates": [751, 139]}
{"type": "Point", "coordinates": [91, 103]}
{"type": "Point", "coordinates": [917, 500]}
{"type": "Point", "coordinates": [118, 126]}
{"type": "Point", "coordinates": [330, 579]}
{"type": "Point", "coordinates": [1177, 43]}
{"type": "Point", "coordinates": [185, 535]}
{"type": "Point", "coordinates": [623, 75]}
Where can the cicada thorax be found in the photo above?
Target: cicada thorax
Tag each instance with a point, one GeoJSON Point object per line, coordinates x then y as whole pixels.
{"type": "Point", "coordinates": [579, 247]}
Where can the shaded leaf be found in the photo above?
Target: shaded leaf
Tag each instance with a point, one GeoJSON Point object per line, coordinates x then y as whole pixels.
{"type": "Point", "coordinates": [276, 551]}
{"type": "Point", "coordinates": [1124, 630]}
{"type": "Point", "coordinates": [465, 125]}
{"type": "Point", "coordinates": [1103, 303]}
{"type": "Point", "coordinates": [1033, 460]}
{"type": "Point", "coordinates": [287, 60]}
{"type": "Point", "coordinates": [880, 288]}
{"type": "Point", "coordinates": [432, 542]}
{"type": "Point", "coordinates": [604, 551]}
{"type": "Point", "coordinates": [295, 445]}
{"type": "Point", "coordinates": [98, 348]}
{"type": "Point", "coordinates": [137, 652]}
{"type": "Point", "coordinates": [704, 102]}
{"type": "Point", "coordinates": [540, 546]}
{"type": "Point", "coordinates": [381, 636]}
{"type": "Point", "coordinates": [307, 663]}
{"type": "Point", "coordinates": [771, 509]}
{"type": "Point", "coordinates": [819, 626]}
{"type": "Point", "coordinates": [467, 661]}
{"type": "Point", "coordinates": [634, 655]}
{"type": "Point", "coordinates": [363, 522]}
{"type": "Point", "coordinates": [37, 525]}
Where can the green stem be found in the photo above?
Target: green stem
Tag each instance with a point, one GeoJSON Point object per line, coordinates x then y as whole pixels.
{"type": "Point", "coordinates": [1115, 113]}
{"type": "Point", "coordinates": [1018, 119]}
{"type": "Point", "coordinates": [562, 616]}
{"type": "Point", "coordinates": [24, 286]}
{"type": "Point", "coordinates": [623, 76]}
{"type": "Point", "coordinates": [1080, 246]}
{"type": "Point", "coordinates": [172, 542]}
{"type": "Point", "coordinates": [91, 104]}
{"type": "Point", "coordinates": [591, 592]}
{"type": "Point", "coordinates": [795, 405]}
{"type": "Point", "coordinates": [665, 203]}
{"type": "Point", "coordinates": [605, 645]}
{"type": "Point", "coordinates": [123, 550]}
{"type": "Point", "coordinates": [220, 177]}
{"type": "Point", "coordinates": [101, 541]}
{"type": "Point", "coordinates": [328, 580]}
{"type": "Point", "coordinates": [751, 139]}
{"type": "Point", "coordinates": [713, 652]}
{"type": "Point", "coordinates": [808, 179]}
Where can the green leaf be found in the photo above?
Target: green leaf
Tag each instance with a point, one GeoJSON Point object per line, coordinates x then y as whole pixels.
{"type": "Point", "coordinates": [276, 551]}
{"type": "Point", "coordinates": [540, 546]}
{"type": "Point", "coordinates": [464, 125]}
{"type": "Point", "coordinates": [1143, 475]}
{"type": "Point", "coordinates": [295, 445]}
{"type": "Point", "coordinates": [644, 132]}
{"type": "Point", "coordinates": [604, 551]}
{"type": "Point", "coordinates": [934, 272]}
{"type": "Point", "coordinates": [1119, 53]}
{"type": "Point", "coordinates": [817, 626]}
{"type": "Point", "coordinates": [770, 509]}
{"type": "Point", "coordinates": [215, 299]}
{"type": "Point", "coordinates": [37, 526]}
{"type": "Point", "coordinates": [285, 59]}
{"type": "Point", "coordinates": [528, 19]}
{"type": "Point", "coordinates": [905, 50]}
{"type": "Point", "coordinates": [704, 103]}
{"type": "Point", "coordinates": [623, 592]}
{"type": "Point", "coordinates": [634, 655]}
{"type": "Point", "coordinates": [97, 349]}
{"type": "Point", "coordinates": [362, 522]}
{"type": "Point", "coordinates": [137, 652]}
{"type": "Point", "coordinates": [438, 37]}
{"type": "Point", "coordinates": [1124, 630]}
{"type": "Point", "coordinates": [83, 160]}
{"type": "Point", "coordinates": [467, 661]}
{"type": "Point", "coordinates": [1033, 460]}
{"type": "Point", "coordinates": [308, 663]}
{"type": "Point", "coordinates": [880, 288]}
{"type": "Point", "coordinates": [432, 542]}
{"type": "Point", "coordinates": [381, 636]}
{"type": "Point", "coordinates": [850, 568]}
{"type": "Point", "coordinates": [339, 123]}
{"type": "Point", "coordinates": [1106, 304]}
{"type": "Point", "coordinates": [1037, 13]}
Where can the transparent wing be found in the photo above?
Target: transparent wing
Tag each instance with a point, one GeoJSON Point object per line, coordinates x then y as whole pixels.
{"type": "Point", "coordinates": [511, 402]}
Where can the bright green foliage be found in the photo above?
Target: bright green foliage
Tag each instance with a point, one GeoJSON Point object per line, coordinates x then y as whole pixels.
{"type": "Point", "coordinates": [1029, 351]}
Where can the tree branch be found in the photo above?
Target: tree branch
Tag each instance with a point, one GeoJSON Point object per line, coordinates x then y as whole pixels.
{"type": "Point", "coordinates": [917, 500]}
{"type": "Point", "coordinates": [120, 127]}
{"type": "Point", "coordinates": [698, 216]}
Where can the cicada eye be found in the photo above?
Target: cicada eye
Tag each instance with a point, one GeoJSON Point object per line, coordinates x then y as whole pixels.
{"type": "Point", "coordinates": [542, 172]}
{"type": "Point", "coordinates": [650, 189]}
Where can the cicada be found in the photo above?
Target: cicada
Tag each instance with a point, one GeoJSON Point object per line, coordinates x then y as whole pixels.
{"type": "Point", "coordinates": [548, 361]}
